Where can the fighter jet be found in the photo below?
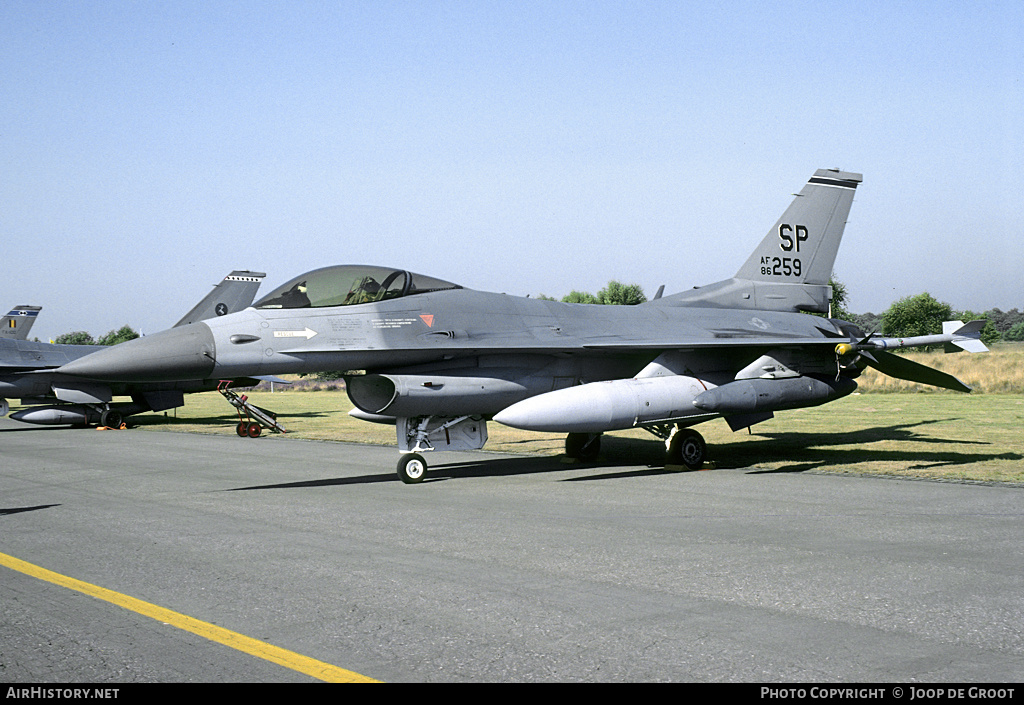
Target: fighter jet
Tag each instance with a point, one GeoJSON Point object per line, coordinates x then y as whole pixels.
{"type": "Point", "coordinates": [17, 323]}
{"type": "Point", "coordinates": [441, 360]}
{"type": "Point", "coordinates": [28, 370]}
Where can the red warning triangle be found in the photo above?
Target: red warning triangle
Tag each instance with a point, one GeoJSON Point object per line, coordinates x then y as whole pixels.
{"type": "Point", "coordinates": [428, 318]}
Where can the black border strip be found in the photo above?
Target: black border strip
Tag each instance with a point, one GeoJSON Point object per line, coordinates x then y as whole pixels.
{"type": "Point", "coordinates": [845, 183]}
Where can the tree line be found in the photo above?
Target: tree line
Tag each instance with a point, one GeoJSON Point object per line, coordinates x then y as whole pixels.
{"type": "Point", "coordinates": [81, 337]}
{"type": "Point", "coordinates": [921, 314]}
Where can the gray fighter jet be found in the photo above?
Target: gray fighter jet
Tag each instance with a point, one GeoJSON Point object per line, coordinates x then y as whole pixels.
{"type": "Point", "coordinates": [28, 370]}
{"type": "Point", "coordinates": [441, 360]}
{"type": "Point", "coordinates": [17, 323]}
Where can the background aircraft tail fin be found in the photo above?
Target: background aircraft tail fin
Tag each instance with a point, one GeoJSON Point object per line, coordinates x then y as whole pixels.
{"type": "Point", "coordinates": [789, 270]}
{"type": "Point", "coordinates": [16, 324]}
{"type": "Point", "coordinates": [234, 293]}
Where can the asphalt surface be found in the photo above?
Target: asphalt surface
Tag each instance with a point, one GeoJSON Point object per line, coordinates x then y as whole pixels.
{"type": "Point", "coordinates": [498, 568]}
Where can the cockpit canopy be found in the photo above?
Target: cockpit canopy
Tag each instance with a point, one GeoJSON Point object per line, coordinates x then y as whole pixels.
{"type": "Point", "coordinates": [350, 284]}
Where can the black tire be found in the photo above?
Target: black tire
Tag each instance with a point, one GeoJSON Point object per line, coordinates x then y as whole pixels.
{"type": "Point", "coordinates": [583, 446]}
{"type": "Point", "coordinates": [412, 468]}
{"type": "Point", "coordinates": [688, 448]}
{"type": "Point", "coordinates": [111, 418]}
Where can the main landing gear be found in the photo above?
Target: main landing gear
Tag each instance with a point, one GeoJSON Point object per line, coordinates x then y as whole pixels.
{"type": "Point", "coordinates": [584, 447]}
{"type": "Point", "coordinates": [111, 418]}
{"type": "Point", "coordinates": [684, 446]}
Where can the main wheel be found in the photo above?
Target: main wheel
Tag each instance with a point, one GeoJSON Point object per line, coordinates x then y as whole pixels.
{"type": "Point", "coordinates": [412, 468]}
{"type": "Point", "coordinates": [111, 418]}
{"type": "Point", "coordinates": [688, 448]}
{"type": "Point", "coordinates": [242, 429]}
{"type": "Point", "coordinates": [583, 446]}
{"type": "Point", "coordinates": [253, 430]}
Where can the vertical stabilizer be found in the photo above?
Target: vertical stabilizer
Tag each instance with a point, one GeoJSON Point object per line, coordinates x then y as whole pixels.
{"type": "Point", "coordinates": [18, 321]}
{"type": "Point", "coordinates": [790, 269]}
{"type": "Point", "coordinates": [233, 294]}
{"type": "Point", "coordinates": [802, 246]}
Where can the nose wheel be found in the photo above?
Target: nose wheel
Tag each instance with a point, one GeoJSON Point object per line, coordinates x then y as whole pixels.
{"type": "Point", "coordinates": [412, 468]}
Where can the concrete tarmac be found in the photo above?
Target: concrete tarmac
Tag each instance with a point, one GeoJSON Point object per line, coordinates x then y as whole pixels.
{"type": "Point", "coordinates": [498, 568]}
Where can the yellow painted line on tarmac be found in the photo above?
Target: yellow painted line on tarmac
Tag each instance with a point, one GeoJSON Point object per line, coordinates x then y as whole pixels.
{"type": "Point", "coordinates": [254, 647]}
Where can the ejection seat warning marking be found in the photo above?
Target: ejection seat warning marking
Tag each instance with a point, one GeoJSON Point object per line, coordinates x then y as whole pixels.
{"type": "Point", "coordinates": [307, 334]}
{"type": "Point", "coordinates": [254, 647]}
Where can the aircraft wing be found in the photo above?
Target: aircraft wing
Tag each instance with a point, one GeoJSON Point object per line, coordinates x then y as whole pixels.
{"type": "Point", "coordinates": [737, 342]}
{"type": "Point", "coordinates": [23, 355]}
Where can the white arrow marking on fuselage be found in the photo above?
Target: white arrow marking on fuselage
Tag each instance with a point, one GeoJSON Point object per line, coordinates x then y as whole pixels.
{"type": "Point", "coordinates": [307, 334]}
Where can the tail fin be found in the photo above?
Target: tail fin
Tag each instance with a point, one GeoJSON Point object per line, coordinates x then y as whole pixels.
{"type": "Point", "coordinates": [790, 269]}
{"type": "Point", "coordinates": [16, 324]}
{"type": "Point", "coordinates": [234, 293]}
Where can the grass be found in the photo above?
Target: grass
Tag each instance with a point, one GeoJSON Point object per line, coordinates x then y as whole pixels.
{"type": "Point", "coordinates": [950, 436]}
{"type": "Point", "coordinates": [1000, 371]}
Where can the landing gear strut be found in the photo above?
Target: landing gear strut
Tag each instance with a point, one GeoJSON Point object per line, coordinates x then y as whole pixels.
{"type": "Point", "coordinates": [583, 446]}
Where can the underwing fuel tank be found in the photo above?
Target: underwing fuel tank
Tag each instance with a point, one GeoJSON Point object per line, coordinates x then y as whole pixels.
{"type": "Point", "coordinates": [78, 414]}
{"type": "Point", "coordinates": [59, 415]}
{"type": "Point", "coordinates": [750, 395]}
{"type": "Point", "coordinates": [607, 406]}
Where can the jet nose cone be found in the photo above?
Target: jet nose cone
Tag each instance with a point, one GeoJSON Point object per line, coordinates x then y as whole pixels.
{"type": "Point", "coordinates": [181, 353]}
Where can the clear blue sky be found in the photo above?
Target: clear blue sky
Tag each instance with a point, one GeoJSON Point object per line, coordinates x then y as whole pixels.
{"type": "Point", "coordinates": [148, 148]}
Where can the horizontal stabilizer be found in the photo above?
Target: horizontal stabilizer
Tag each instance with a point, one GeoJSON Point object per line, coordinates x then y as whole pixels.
{"type": "Point", "coordinates": [902, 368]}
{"type": "Point", "coordinates": [272, 379]}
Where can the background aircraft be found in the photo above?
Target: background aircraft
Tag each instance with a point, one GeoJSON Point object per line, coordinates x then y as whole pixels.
{"type": "Point", "coordinates": [442, 360]}
{"type": "Point", "coordinates": [17, 323]}
{"type": "Point", "coordinates": [27, 371]}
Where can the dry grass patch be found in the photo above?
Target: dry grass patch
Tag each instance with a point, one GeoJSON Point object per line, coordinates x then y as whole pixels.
{"type": "Point", "coordinates": [1000, 371]}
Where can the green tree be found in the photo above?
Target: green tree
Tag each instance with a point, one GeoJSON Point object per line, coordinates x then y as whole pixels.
{"type": "Point", "coordinates": [619, 294]}
{"type": "Point", "coordinates": [580, 297]}
{"type": "Point", "coordinates": [79, 337]}
{"type": "Point", "coordinates": [1015, 333]}
{"type": "Point", "coordinates": [915, 315]}
{"type": "Point", "coordinates": [839, 299]}
{"type": "Point", "coordinates": [837, 309]}
{"type": "Point", "coordinates": [118, 336]}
